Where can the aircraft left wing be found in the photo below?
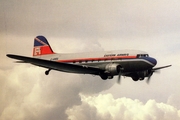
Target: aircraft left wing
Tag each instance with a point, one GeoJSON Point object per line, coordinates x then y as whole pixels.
{"type": "Point", "coordinates": [65, 67]}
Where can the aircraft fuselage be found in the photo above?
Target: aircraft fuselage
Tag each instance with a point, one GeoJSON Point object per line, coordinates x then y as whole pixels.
{"type": "Point", "coordinates": [130, 61]}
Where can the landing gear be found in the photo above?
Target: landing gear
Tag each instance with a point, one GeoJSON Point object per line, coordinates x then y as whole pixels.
{"type": "Point", "coordinates": [141, 78]}
{"type": "Point", "coordinates": [105, 76]}
{"type": "Point", "coordinates": [47, 72]}
{"type": "Point", "coordinates": [110, 77]}
{"type": "Point", "coordinates": [135, 78]}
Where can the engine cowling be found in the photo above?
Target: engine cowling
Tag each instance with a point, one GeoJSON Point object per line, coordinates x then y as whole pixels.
{"type": "Point", "coordinates": [143, 74]}
{"type": "Point", "coordinates": [113, 69]}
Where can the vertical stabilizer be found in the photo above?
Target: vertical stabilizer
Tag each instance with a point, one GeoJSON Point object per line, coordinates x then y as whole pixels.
{"type": "Point", "coordinates": [41, 46]}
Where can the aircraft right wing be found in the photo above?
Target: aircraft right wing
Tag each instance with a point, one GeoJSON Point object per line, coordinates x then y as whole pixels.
{"type": "Point", "coordinates": [65, 67]}
{"type": "Point", "coordinates": [158, 68]}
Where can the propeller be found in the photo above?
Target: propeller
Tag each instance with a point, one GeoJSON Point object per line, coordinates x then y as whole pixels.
{"type": "Point", "coordinates": [119, 77]}
{"type": "Point", "coordinates": [156, 70]}
{"type": "Point", "coordinates": [149, 77]}
{"type": "Point", "coordinates": [151, 73]}
{"type": "Point", "coordinates": [120, 69]}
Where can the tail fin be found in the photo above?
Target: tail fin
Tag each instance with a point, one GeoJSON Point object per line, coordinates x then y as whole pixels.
{"type": "Point", "coordinates": [41, 46]}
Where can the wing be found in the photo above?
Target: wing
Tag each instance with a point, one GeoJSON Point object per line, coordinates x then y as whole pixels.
{"type": "Point", "coordinates": [158, 68]}
{"type": "Point", "coordinates": [65, 67]}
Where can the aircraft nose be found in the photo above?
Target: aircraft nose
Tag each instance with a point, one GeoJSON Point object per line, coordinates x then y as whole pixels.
{"type": "Point", "coordinates": [152, 60]}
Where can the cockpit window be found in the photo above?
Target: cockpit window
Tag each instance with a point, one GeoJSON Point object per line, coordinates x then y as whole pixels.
{"type": "Point", "coordinates": [142, 55]}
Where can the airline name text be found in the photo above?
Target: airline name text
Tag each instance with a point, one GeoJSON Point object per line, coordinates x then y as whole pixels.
{"type": "Point", "coordinates": [111, 55]}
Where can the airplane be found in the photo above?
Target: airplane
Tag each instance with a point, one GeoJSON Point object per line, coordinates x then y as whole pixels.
{"type": "Point", "coordinates": [106, 64]}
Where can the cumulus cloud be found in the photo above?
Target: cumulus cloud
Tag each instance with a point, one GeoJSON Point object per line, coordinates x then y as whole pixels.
{"type": "Point", "coordinates": [108, 108]}
{"type": "Point", "coordinates": [174, 100]}
{"type": "Point", "coordinates": [26, 93]}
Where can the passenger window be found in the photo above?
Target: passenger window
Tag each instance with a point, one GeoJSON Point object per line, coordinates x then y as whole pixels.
{"type": "Point", "coordinates": [142, 55]}
{"type": "Point", "coordinates": [138, 55]}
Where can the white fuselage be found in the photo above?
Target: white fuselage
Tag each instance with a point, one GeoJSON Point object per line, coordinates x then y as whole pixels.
{"type": "Point", "coordinates": [130, 60]}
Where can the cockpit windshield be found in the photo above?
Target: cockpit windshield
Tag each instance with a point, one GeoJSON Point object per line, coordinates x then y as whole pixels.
{"type": "Point", "coordinates": [142, 55]}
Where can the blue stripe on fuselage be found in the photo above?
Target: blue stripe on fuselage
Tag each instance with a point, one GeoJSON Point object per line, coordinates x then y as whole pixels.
{"type": "Point", "coordinates": [150, 59]}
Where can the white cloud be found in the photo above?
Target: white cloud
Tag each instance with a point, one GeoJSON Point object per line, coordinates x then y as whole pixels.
{"type": "Point", "coordinates": [108, 108]}
{"type": "Point", "coordinates": [27, 93]}
{"type": "Point", "coordinates": [174, 100]}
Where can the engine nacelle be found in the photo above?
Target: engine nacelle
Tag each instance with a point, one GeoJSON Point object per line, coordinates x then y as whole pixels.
{"type": "Point", "coordinates": [113, 69]}
{"type": "Point", "coordinates": [143, 74]}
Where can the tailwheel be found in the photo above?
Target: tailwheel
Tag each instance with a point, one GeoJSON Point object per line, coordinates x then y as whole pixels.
{"type": "Point", "coordinates": [47, 72]}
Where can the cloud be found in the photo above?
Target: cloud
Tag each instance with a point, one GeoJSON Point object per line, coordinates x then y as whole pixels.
{"type": "Point", "coordinates": [26, 93]}
{"type": "Point", "coordinates": [106, 107]}
{"type": "Point", "coordinates": [174, 100]}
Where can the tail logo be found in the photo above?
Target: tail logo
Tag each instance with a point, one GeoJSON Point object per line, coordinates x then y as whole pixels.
{"type": "Point", "coordinates": [37, 51]}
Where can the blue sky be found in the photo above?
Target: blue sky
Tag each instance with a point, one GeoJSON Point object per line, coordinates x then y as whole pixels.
{"type": "Point", "coordinates": [83, 26]}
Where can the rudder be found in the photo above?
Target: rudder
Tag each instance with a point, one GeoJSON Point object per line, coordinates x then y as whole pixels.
{"type": "Point", "coordinates": [41, 46]}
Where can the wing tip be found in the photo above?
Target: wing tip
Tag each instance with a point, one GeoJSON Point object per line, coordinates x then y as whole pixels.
{"type": "Point", "coordinates": [158, 68]}
{"type": "Point", "coordinates": [9, 55]}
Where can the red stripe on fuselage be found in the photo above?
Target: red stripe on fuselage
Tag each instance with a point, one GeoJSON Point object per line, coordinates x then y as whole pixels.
{"type": "Point", "coordinates": [98, 59]}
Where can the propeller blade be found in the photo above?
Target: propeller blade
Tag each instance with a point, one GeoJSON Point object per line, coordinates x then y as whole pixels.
{"type": "Point", "coordinates": [149, 77]}
{"type": "Point", "coordinates": [151, 73]}
{"type": "Point", "coordinates": [119, 78]}
{"type": "Point", "coordinates": [120, 69]}
{"type": "Point", "coordinates": [157, 71]}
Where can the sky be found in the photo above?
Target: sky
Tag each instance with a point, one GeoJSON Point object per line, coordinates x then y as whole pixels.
{"type": "Point", "coordinates": [85, 26]}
